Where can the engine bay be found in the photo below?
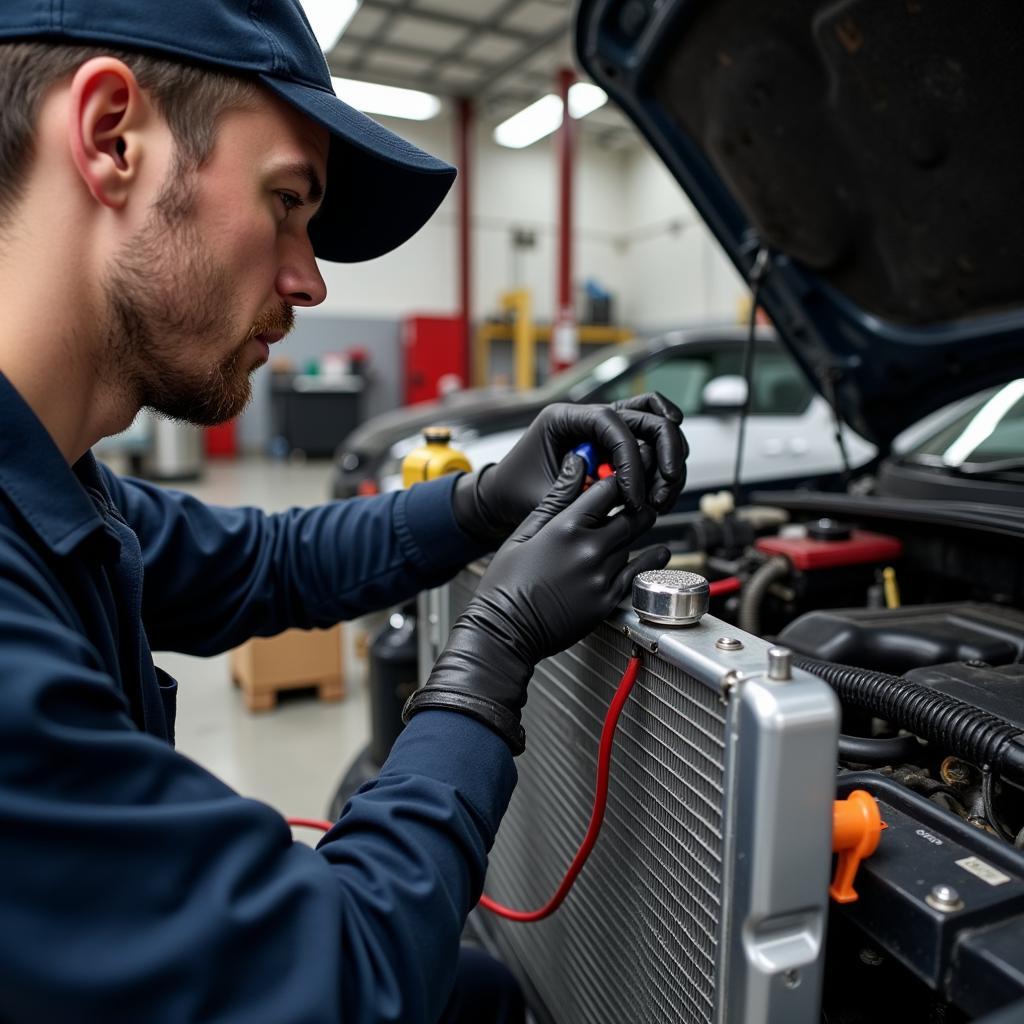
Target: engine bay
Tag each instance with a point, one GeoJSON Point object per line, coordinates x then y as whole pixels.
{"type": "Point", "coordinates": [917, 626]}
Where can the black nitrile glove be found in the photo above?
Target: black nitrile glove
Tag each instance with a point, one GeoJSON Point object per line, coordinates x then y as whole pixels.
{"type": "Point", "coordinates": [490, 503]}
{"type": "Point", "coordinates": [560, 574]}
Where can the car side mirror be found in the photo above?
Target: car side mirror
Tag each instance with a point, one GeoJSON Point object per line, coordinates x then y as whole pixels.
{"type": "Point", "coordinates": [724, 395]}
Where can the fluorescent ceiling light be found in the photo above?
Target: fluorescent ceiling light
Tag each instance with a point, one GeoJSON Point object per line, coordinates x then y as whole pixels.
{"type": "Point", "coordinates": [387, 99]}
{"type": "Point", "coordinates": [545, 116]}
{"type": "Point", "coordinates": [585, 98]}
{"type": "Point", "coordinates": [328, 19]}
{"type": "Point", "coordinates": [530, 124]}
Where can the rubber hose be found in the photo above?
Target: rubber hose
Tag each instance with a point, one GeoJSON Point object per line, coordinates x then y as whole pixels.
{"type": "Point", "coordinates": [754, 590]}
{"type": "Point", "coordinates": [954, 725]}
{"type": "Point", "coordinates": [878, 750]}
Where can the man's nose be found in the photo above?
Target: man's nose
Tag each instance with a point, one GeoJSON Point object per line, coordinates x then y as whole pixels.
{"type": "Point", "coordinates": [299, 281]}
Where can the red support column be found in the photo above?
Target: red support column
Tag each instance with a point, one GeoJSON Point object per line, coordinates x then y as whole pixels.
{"type": "Point", "coordinates": [464, 145]}
{"type": "Point", "coordinates": [565, 345]}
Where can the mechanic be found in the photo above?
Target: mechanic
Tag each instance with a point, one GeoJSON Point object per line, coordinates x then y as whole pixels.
{"type": "Point", "coordinates": [167, 173]}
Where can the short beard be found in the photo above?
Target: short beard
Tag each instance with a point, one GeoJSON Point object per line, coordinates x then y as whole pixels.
{"type": "Point", "coordinates": [165, 295]}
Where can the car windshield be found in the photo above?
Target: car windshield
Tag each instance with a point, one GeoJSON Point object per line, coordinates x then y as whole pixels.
{"type": "Point", "coordinates": [609, 361]}
{"type": "Point", "coordinates": [987, 438]}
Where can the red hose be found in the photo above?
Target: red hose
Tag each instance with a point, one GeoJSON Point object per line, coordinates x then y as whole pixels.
{"type": "Point", "coordinates": [604, 758]}
{"type": "Point", "coordinates": [319, 823]}
{"type": "Point", "coordinates": [729, 585]}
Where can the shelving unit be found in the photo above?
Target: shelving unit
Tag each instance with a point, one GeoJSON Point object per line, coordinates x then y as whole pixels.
{"type": "Point", "coordinates": [525, 336]}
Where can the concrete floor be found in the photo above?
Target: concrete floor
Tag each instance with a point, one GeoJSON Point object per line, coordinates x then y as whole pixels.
{"type": "Point", "coordinates": [292, 757]}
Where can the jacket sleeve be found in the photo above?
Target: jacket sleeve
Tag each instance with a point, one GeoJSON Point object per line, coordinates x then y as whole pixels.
{"type": "Point", "coordinates": [138, 887]}
{"type": "Point", "coordinates": [217, 576]}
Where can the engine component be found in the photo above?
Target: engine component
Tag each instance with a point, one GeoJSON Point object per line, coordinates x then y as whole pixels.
{"type": "Point", "coordinates": [957, 727]}
{"type": "Point", "coordinates": [435, 457]}
{"type": "Point", "coordinates": [829, 529]}
{"type": "Point", "coordinates": [931, 901]}
{"type": "Point", "coordinates": [728, 536]}
{"type": "Point", "coordinates": [831, 550]}
{"type": "Point", "coordinates": [856, 829]}
{"type": "Point", "coordinates": [896, 640]}
{"type": "Point", "coordinates": [821, 564]}
{"type": "Point", "coordinates": [753, 594]}
{"type": "Point", "coordinates": [705, 899]}
{"type": "Point", "coordinates": [999, 691]}
{"type": "Point", "coordinates": [670, 597]}
{"type": "Point", "coordinates": [877, 749]}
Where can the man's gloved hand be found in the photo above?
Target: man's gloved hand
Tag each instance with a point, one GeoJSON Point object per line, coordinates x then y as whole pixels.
{"type": "Point", "coordinates": [562, 571]}
{"type": "Point", "coordinates": [490, 503]}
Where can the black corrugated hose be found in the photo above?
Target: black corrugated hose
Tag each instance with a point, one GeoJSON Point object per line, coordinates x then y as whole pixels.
{"type": "Point", "coordinates": [954, 725]}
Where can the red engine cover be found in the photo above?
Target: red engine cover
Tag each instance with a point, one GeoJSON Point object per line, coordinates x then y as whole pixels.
{"type": "Point", "coordinates": [806, 554]}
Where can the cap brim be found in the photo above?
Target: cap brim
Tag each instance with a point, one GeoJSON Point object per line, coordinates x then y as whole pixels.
{"type": "Point", "coordinates": [380, 189]}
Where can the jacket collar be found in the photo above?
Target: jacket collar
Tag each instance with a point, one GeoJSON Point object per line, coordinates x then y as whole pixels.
{"type": "Point", "coordinates": [50, 495]}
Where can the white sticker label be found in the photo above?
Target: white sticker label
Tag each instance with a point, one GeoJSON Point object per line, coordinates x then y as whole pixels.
{"type": "Point", "coordinates": [984, 871]}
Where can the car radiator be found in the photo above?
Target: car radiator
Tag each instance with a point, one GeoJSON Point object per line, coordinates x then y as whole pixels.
{"type": "Point", "coordinates": [705, 898]}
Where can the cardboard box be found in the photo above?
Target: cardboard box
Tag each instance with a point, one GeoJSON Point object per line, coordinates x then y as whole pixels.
{"type": "Point", "coordinates": [293, 659]}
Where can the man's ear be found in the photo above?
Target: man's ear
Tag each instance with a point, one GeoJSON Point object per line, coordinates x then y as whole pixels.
{"type": "Point", "coordinates": [105, 117]}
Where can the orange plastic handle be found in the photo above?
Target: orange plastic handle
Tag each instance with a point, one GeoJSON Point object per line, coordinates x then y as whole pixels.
{"type": "Point", "coordinates": [856, 828]}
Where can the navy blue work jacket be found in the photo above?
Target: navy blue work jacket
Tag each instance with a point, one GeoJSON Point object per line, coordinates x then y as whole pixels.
{"type": "Point", "coordinates": [135, 886]}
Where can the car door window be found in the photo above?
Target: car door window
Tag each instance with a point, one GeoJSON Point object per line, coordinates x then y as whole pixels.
{"type": "Point", "coordinates": [779, 387]}
{"type": "Point", "coordinates": [680, 377]}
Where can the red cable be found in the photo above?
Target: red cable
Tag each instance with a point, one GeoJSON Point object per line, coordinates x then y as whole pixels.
{"type": "Point", "coordinates": [604, 758]}
{"type": "Point", "coordinates": [729, 585]}
{"type": "Point", "coordinates": [324, 826]}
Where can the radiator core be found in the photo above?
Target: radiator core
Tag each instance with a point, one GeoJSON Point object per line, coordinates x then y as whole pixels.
{"type": "Point", "coordinates": [661, 925]}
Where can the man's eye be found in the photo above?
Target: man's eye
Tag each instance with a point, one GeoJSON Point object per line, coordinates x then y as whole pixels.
{"type": "Point", "coordinates": [290, 201]}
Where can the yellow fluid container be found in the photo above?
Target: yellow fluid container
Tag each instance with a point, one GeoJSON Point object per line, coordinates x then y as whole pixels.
{"type": "Point", "coordinates": [433, 458]}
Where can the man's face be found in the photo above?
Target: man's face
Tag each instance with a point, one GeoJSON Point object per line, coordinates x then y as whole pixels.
{"type": "Point", "coordinates": [196, 298]}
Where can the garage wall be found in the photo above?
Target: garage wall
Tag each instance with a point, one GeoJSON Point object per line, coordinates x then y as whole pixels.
{"type": "Point", "coordinates": [512, 189]}
{"type": "Point", "coordinates": [635, 233]}
{"type": "Point", "coordinates": [519, 189]}
{"type": "Point", "coordinates": [676, 273]}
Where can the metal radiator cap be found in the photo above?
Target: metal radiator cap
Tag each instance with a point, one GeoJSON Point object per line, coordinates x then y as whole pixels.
{"type": "Point", "coordinates": [670, 597]}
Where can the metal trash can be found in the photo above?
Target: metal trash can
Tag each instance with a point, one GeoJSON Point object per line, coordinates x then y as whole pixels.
{"type": "Point", "coordinates": [175, 451]}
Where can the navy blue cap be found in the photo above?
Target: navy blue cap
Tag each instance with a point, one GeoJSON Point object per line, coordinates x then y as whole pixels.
{"type": "Point", "coordinates": [380, 189]}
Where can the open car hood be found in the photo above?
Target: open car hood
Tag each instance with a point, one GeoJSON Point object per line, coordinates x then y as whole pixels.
{"type": "Point", "coordinates": [874, 149]}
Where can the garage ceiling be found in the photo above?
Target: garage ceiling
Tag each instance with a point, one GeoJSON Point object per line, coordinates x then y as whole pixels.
{"type": "Point", "coordinates": [504, 54]}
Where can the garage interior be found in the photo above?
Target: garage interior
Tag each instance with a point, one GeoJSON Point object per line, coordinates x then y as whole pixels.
{"type": "Point", "coordinates": [782, 782]}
